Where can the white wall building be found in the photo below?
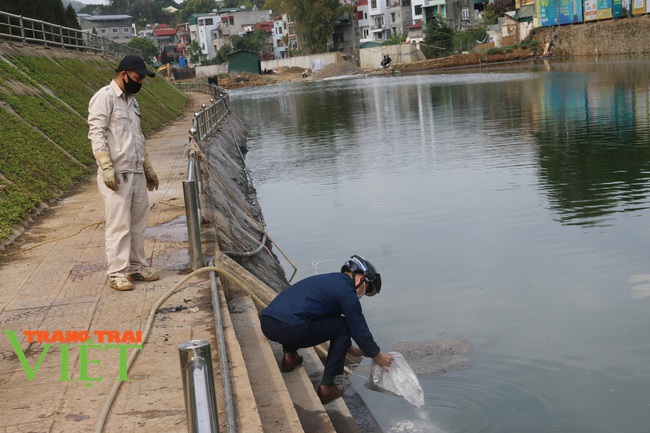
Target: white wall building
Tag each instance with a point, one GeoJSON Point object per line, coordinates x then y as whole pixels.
{"type": "Point", "coordinates": [115, 27]}
{"type": "Point", "coordinates": [379, 16]}
{"type": "Point", "coordinates": [205, 25]}
{"type": "Point", "coordinates": [235, 22]}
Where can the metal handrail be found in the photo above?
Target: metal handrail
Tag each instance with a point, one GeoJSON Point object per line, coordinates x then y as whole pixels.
{"type": "Point", "coordinates": [205, 122]}
{"type": "Point", "coordinates": [29, 30]}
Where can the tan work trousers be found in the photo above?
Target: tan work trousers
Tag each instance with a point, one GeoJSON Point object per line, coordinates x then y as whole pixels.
{"type": "Point", "coordinates": [127, 213]}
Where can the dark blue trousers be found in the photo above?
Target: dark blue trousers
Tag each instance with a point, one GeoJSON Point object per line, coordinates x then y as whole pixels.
{"type": "Point", "coordinates": [333, 329]}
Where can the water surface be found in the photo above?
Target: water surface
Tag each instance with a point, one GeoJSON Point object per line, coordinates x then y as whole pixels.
{"type": "Point", "coordinates": [507, 206]}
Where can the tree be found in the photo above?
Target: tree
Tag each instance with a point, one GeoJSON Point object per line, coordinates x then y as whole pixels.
{"type": "Point", "coordinates": [71, 18]}
{"type": "Point", "coordinates": [164, 58]}
{"type": "Point", "coordinates": [190, 7]}
{"type": "Point", "coordinates": [248, 3]}
{"type": "Point", "coordinates": [51, 11]}
{"type": "Point", "coordinates": [466, 40]}
{"type": "Point", "coordinates": [438, 38]}
{"type": "Point", "coordinates": [314, 21]}
{"type": "Point", "coordinates": [277, 6]}
{"type": "Point", "coordinates": [396, 39]}
{"type": "Point", "coordinates": [495, 10]}
{"type": "Point", "coordinates": [146, 47]}
{"type": "Point", "coordinates": [195, 53]}
{"type": "Point", "coordinates": [256, 41]}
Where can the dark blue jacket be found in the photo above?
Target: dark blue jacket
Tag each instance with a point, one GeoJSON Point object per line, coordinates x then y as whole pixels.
{"type": "Point", "coordinates": [322, 296]}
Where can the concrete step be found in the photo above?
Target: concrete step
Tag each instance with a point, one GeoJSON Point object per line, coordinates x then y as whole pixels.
{"type": "Point", "coordinates": [282, 407]}
{"type": "Point", "coordinates": [302, 382]}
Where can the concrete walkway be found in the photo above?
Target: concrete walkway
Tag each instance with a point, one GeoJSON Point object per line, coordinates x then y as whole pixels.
{"type": "Point", "coordinates": [54, 279]}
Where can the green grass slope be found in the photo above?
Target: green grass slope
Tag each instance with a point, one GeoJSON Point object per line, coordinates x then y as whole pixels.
{"type": "Point", "coordinates": [44, 148]}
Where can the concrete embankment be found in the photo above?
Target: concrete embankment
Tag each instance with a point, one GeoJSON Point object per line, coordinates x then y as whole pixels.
{"type": "Point", "coordinates": [630, 36]}
{"type": "Point", "coordinates": [239, 233]}
{"type": "Point", "coordinates": [53, 278]}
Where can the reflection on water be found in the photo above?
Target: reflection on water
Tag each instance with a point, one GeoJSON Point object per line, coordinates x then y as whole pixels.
{"type": "Point", "coordinates": [506, 206]}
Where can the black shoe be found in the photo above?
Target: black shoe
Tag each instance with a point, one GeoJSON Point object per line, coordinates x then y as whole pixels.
{"type": "Point", "coordinates": [327, 393]}
{"type": "Point", "coordinates": [290, 361]}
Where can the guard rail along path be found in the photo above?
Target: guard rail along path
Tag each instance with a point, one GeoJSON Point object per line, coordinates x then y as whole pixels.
{"type": "Point", "coordinates": [28, 30]}
{"type": "Point", "coordinates": [285, 402]}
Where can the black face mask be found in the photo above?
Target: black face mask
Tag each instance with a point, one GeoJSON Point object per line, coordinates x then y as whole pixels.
{"type": "Point", "coordinates": [131, 86]}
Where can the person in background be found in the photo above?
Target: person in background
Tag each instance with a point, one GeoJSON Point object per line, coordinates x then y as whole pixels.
{"type": "Point", "coordinates": [326, 308]}
{"type": "Point", "coordinates": [124, 172]}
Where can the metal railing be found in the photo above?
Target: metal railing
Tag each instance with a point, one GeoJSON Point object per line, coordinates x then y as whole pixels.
{"type": "Point", "coordinates": [196, 366]}
{"type": "Point", "coordinates": [205, 122]}
{"type": "Point", "coordinates": [28, 30]}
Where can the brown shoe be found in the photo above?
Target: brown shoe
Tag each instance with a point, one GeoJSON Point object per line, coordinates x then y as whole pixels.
{"type": "Point", "coordinates": [143, 274]}
{"type": "Point", "coordinates": [327, 393]}
{"type": "Point", "coordinates": [290, 361]}
{"type": "Point", "coordinates": [121, 283]}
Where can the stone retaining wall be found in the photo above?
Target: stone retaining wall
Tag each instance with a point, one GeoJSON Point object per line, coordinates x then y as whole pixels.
{"type": "Point", "coordinates": [611, 37]}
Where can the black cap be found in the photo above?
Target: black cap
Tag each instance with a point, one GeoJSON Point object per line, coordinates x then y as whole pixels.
{"type": "Point", "coordinates": [134, 63]}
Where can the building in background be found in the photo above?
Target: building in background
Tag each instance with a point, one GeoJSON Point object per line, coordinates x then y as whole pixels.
{"type": "Point", "coordinates": [401, 16]}
{"type": "Point", "coordinates": [118, 28]}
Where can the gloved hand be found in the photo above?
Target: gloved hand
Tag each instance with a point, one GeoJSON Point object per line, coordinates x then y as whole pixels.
{"type": "Point", "coordinates": [149, 174]}
{"type": "Point", "coordinates": [110, 179]}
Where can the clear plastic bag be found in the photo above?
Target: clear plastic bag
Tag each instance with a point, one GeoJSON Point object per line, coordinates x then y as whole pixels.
{"type": "Point", "coordinates": [398, 380]}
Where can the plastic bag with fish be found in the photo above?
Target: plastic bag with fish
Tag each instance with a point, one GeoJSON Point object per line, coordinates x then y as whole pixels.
{"type": "Point", "coordinates": [398, 380]}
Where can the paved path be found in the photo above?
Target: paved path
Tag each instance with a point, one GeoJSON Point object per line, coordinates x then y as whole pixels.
{"type": "Point", "coordinates": [57, 281]}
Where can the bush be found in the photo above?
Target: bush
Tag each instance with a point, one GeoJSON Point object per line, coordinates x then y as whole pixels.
{"type": "Point", "coordinates": [467, 40]}
{"type": "Point", "coordinates": [438, 38]}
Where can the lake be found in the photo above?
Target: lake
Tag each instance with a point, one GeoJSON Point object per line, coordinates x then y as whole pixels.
{"type": "Point", "coordinates": [507, 206]}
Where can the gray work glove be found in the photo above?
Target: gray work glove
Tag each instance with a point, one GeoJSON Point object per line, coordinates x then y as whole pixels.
{"type": "Point", "coordinates": [149, 174]}
{"type": "Point", "coordinates": [110, 179]}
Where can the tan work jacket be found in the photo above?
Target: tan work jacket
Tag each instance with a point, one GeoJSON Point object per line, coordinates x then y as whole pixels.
{"type": "Point", "coordinates": [114, 127]}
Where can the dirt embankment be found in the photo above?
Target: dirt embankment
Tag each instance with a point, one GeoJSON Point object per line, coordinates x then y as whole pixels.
{"type": "Point", "coordinates": [346, 68]}
{"type": "Point", "coordinates": [629, 36]}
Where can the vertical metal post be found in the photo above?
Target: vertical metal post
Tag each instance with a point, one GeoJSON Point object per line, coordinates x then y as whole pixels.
{"type": "Point", "coordinates": [198, 386]}
{"type": "Point", "coordinates": [22, 28]}
{"type": "Point", "coordinates": [193, 223]}
{"type": "Point", "coordinates": [194, 173]}
{"type": "Point", "coordinates": [199, 178]}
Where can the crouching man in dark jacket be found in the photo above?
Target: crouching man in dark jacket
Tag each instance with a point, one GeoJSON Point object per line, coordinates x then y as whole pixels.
{"type": "Point", "coordinates": [326, 308]}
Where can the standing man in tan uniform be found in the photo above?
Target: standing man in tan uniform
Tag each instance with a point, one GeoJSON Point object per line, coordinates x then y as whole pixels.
{"type": "Point", "coordinates": [124, 172]}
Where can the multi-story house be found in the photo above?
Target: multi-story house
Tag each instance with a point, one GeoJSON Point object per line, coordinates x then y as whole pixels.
{"type": "Point", "coordinates": [284, 37]}
{"type": "Point", "coordinates": [377, 20]}
{"type": "Point", "coordinates": [379, 16]}
{"type": "Point", "coordinates": [205, 26]}
{"type": "Point", "coordinates": [118, 28]}
{"type": "Point", "coordinates": [363, 22]}
{"type": "Point", "coordinates": [344, 37]}
{"type": "Point", "coordinates": [459, 14]}
{"type": "Point", "coordinates": [200, 36]}
{"type": "Point", "coordinates": [418, 10]}
{"type": "Point", "coordinates": [401, 16]}
{"type": "Point", "coordinates": [234, 22]}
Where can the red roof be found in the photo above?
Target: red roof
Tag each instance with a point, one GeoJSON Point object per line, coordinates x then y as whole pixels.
{"type": "Point", "coordinates": [164, 32]}
{"type": "Point", "coordinates": [362, 2]}
{"type": "Point", "coordinates": [417, 25]}
{"type": "Point", "coordinates": [267, 26]}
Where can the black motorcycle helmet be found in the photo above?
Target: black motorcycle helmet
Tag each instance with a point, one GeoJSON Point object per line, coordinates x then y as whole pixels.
{"type": "Point", "coordinates": [358, 265]}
